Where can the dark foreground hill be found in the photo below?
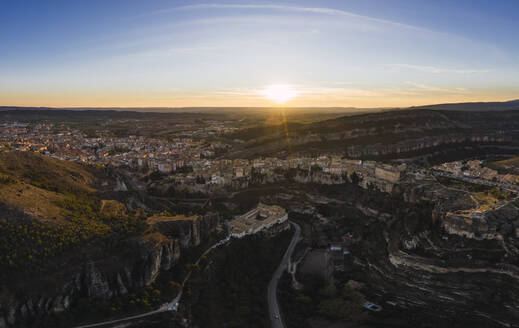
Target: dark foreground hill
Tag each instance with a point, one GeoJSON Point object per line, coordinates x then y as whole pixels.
{"type": "Point", "coordinates": [67, 239]}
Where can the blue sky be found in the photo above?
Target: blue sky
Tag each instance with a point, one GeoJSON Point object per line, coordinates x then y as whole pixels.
{"type": "Point", "coordinates": [227, 53]}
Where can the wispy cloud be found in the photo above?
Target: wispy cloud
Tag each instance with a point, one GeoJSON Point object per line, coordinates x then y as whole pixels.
{"type": "Point", "coordinates": [364, 21]}
{"type": "Point", "coordinates": [171, 51]}
{"type": "Point", "coordinates": [432, 88]}
{"type": "Point", "coordinates": [438, 70]}
{"type": "Point", "coordinates": [311, 10]}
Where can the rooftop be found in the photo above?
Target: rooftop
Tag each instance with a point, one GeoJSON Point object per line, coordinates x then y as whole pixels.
{"type": "Point", "coordinates": [259, 216]}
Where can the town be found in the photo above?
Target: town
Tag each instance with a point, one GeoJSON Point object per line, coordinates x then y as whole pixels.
{"type": "Point", "coordinates": [195, 165]}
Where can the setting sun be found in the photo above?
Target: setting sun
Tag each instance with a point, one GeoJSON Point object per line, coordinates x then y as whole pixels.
{"type": "Point", "coordinates": [279, 93]}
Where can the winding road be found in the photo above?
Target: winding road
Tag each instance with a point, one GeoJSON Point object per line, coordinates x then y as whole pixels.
{"type": "Point", "coordinates": [272, 299]}
{"type": "Point", "coordinates": [173, 305]}
{"type": "Point", "coordinates": [274, 313]}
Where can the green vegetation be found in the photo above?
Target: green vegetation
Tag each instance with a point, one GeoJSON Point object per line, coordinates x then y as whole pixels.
{"type": "Point", "coordinates": [472, 187]}
{"type": "Point", "coordinates": [164, 289]}
{"type": "Point", "coordinates": [230, 290]}
{"type": "Point", "coordinates": [46, 187]}
{"type": "Point", "coordinates": [28, 246]}
{"type": "Point", "coordinates": [86, 310]}
{"type": "Point", "coordinates": [264, 131]}
{"type": "Point", "coordinates": [340, 303]}
{"type": "Point", "coordinates": [6, 179]}
{"type": "Point", "coordinates": [488, 191]}
{"type": "Point", "coordinates": [510, 165]}
{"type": "Point", "coordinates": [47, 173]}
{"type": "Point", "coordinates": [317, 299]}
{"type": "Point", "coordinates": [80, 204]}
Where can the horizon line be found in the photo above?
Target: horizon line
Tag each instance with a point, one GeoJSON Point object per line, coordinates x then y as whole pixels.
{"type": "Point", "coordinates": [251, 107]}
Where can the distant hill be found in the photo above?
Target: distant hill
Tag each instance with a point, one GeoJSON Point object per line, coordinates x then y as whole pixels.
{"type": "Point", "coordinates": [249, 115]}
{"type": "Point", "coordinates": [392, 134]}
{"type": "Point", "coordinates": [474, 106]}
{"type": "Point", "coordinates": [510, 165]}
{"type": "Point", "coordinates": [138, 112]}
{"type": "Point", "coordinates": [206, 110]}
{"type": "Point", "coordinates": [255, 114]}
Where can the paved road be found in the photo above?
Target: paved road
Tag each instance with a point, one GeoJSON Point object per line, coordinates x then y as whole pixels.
{"type": "Point", "coordinates": [275, 315]}
{"type": "Point", "coordinates": [272, 288]}
{"type": "Point", "coordinates": [147, 314]}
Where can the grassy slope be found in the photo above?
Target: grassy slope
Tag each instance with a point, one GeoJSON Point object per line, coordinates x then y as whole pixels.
{"type": "Point", "coordinates": [40, 187]}
{"type": "Point", "coordinates": [510, 165]}
{"type": "Point", "coordinates": [49, 208]}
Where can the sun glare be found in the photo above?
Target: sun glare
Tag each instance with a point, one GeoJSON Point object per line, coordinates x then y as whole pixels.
{"type": "Point", "coordinates": [279, 93]}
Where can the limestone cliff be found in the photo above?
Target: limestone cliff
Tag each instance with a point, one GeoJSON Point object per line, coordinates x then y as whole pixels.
{"type": "Point", "coordinates": [389, 134]}
{"type": "Point", "coordinates": [459, 212]}
{"type": "Point", "coordinates": [103, 275]}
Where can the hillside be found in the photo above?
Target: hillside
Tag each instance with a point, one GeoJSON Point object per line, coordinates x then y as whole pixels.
{"type": "Point", "coordinates": [510, 165]}
{"type": "Point", "coordinates": [47, 207]}
{"type": "Point", "coordinates": [391, 134]}
{"type": "Point", "coordinates": [40, 187]}
{"type": "Point", "coordinates": [63, 244]}
{"type": "Point", "coordinates": [475, 106]}
{"type": "Point", "coordinates": [104, 115]}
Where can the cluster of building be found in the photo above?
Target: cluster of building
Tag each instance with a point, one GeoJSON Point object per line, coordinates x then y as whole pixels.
{"type": "Point", "coordinates": [186, 161]}
{"type": "Point", "coordinates": [260, 218]}
{"type": "Point", "coordinates": [325, 169]}
{"type": "Point", "coordinates": [63, 142]}
{"type": "Point", "coordinates": [473, 169]}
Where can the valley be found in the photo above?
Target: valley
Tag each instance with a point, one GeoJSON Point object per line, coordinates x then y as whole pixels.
{"type": "Point", "coordinates": [419, 224]}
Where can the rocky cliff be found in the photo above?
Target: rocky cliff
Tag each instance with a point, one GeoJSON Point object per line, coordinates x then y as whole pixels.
{"type": "Point", "coordinates": [420, 264]}
{"type": "Point", "coordinates": [469, 214]}
{"type": "Point", "coordinates": [97, 274]}
{"type": "Point", "coordinates": [391, 133]}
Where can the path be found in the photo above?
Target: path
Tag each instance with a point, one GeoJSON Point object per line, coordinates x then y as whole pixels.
{"type": "Point", "coordinates": [171, 306]}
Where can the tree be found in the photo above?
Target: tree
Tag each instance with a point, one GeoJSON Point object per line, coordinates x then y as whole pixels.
{"type": "Point", "coordinates": [354, 178]}
{"type": "Point", "coordinates": [174, 287]}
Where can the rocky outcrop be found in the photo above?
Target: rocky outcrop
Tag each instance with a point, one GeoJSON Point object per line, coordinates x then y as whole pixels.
{"type": "Point", "coordinates": [490, 224]}
{"type": "Point", "coordinates": [458, 213]}
{"type": "Point", "coordinates": [418, 144]}
{"type": "Point", "coordinates": [454, 278]}
{"type": "Point", "coordinates": [189, 231]}
{"type": "Point", "coordinates": [105, 275]}
{"type": "Point", "coordinates": [96, 279]}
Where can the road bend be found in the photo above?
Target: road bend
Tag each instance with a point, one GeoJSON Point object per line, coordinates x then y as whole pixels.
{"type": "Point", "coordinates": [166, 307]}
{"type": "Point", "coordinates": [274, 313]}
{"type": "Point", "coordinates": [272, 299]}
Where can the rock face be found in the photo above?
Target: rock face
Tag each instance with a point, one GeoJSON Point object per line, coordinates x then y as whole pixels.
{"type": "Point", "coordinates": [461, 258]}
{"type": "Point", "coordinates": [102, 275]}
{"type": "Point", "coordinates": [458, 213]}
{"type": "Point", "coordinates": [491, 224]}
{"type": "Point", "coordinates": [390, 134]}
{"type": "Point", "coordinates": [462, 267]}
{"type": "Point", "coordinates": [189, 231]}
{"type": "Point", "coordinates": [435, 269]}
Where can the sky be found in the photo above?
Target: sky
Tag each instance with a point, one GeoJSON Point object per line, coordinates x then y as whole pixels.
{"type": "Point", "coordinates": [186, 53]}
